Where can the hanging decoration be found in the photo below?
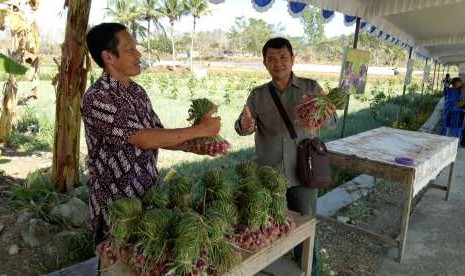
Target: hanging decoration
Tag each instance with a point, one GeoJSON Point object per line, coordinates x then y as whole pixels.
{"type": "Point", "coordinates": [349, 20]}
{"type": "Point", "coordinates": [327, 15]}
{"type": "Point", "coordinates": [295, 9]}
{"type": "Point", "coordinates": [363, 25]}
{"type": "Point", "coordinates": [262, 5]}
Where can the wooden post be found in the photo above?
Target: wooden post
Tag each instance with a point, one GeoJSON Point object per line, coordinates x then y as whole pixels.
{"type": "Point", "coordinates": [423, 83]}
{"type": "Point", "coordinates": [405, 216]}
{"type": "Point", "coordinates": [71, 85]}
{"type": "Point", "coordinates": [434, 75]}
{"type": "Point", "coordinates": [438, 79]}
{"type": "Point", "coordinates": [449, 179]}
{"type": "Point", "coordinates": [443, 72]}
{"type": "Point", "coordinates": [346, 107]}
{"type": "Point", "coordinates": [399, 117]}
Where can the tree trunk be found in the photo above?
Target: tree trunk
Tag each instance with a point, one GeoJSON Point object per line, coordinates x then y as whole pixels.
{"type": "Point", "coordinates": [71, 85]}
{"type": "Point", "coordinates": [149, 50]}
{"type": "Point", "coordinates": [192, 45]}
{"type": "Point", "coordinates": [9, 109]}
{"type": "Point", "coordinates": [172, 45]}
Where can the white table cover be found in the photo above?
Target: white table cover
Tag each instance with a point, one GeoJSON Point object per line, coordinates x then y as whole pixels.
{"type": "Point", "coordinates": [431, 153]}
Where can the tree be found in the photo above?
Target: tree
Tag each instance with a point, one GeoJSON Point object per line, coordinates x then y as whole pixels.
{"type": "Point", "coordinates": [24, 49]}
{"type": "Point", "coordinates": [256, 34]}
{"type": "Point", "coordinates": [72, 79]}
{"type": "Point", "coordinates": [312, 22]}
{"type": "Point", "coordinates": [173, 10]}
{"type": "Point", "coordinates": [148, 12]}
{"type": "Point", "coordinates": [235, 34]}
{"type": "Point", "coordinates": [196, 8]}
{"type": "Point", "coordinates": [126, 12]}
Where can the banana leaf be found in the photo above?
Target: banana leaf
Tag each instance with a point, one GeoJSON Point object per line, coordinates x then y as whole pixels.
{"type": "Point", "coordinates": [10, 66]}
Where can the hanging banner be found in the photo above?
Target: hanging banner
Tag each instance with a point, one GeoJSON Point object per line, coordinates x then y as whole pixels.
{"type": "Point", "coordinates": [426, 71]}
{"type": "Point", "coordinates": [408, 73]}
{"type": "Point", "coordinates": [354, 71]}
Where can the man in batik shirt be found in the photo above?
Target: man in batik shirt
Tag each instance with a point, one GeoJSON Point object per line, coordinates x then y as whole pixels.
{"type": "Point", "coordinates": [123, 133]}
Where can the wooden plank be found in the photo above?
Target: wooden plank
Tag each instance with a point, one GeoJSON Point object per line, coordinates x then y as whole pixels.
{"type": "Point", "coordinates": [436, 186]}
{"type": "Point", "coordinates": [405, 218]}
{"type": "Point", "coordinates": [307, 256]}
{"type": "Point", "coordinates": [449, 179]}
{"type": "Point", "coordinates": [374, 168]}
{"type": "Point", "coordinates": [384, 239]}
{"type": "Point", "coordinates": [254, 262]}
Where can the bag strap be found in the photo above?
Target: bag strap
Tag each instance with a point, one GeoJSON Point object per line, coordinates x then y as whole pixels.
{"type": "Point", "coordinates": [282, 111]}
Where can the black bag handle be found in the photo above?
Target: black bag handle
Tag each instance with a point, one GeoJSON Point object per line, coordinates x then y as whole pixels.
{"type": "Point", "coordinates": [282, 111]}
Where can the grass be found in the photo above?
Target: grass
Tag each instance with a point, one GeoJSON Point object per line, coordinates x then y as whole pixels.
{"type": "Point", "coordinates": [78, 248]}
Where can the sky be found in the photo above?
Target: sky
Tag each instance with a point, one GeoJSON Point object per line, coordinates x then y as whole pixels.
{"type": "Point", "coordinates": [51, 18]}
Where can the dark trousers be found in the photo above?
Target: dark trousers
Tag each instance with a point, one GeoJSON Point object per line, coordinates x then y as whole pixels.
{"type": "Point", "coordinates": [303, 200]}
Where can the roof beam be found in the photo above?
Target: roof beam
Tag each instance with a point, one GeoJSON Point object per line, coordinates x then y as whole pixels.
{"type": "Point", "coordinates": [444, 40]}
{"type": "Point", "coordinates": [452, 59]}
{"type": "Point", "coordinates": [392, 7]}
{"type": "Point", "coordinates": [446, 53]}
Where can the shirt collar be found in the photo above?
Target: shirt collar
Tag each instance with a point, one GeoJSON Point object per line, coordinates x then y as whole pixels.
{"type": "Point", "coordinates": [295, 81]}
{"type": "Point", "coordinates": [113, 82]}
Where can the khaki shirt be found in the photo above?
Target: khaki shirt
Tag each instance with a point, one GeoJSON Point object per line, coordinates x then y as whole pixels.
{"type": "Point", "coordinates": [273, 144]}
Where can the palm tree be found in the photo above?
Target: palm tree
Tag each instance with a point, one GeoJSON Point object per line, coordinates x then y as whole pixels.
{"type": "Point", "coordinates": [149, 12]}
{"type": "Point", "coordinates": [126, 12]}
{"type": "Point", "coordinates": [173, 9]}
{"type": "Point", "coordinates": [196, 8]}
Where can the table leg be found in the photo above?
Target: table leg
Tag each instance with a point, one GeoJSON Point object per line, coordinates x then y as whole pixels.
{"type": "Point", "coordinates": [405, 218]}
{"type": "Point", "coordinates": [307, 255]}
{"type": "Point", "coordinates": [449, 179]}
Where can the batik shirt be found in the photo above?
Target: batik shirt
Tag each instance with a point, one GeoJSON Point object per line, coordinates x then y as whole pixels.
{"type": "Point", "coordinates": [112, 113]}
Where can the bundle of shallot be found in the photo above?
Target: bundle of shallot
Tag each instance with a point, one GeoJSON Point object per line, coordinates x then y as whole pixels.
{"type": "Point", "coordinates": [212, 146]}
{"type": "Point", "coordinates": [311, 112]}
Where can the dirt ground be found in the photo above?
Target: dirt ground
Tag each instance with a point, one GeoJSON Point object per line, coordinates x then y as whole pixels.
{"type": "Point", "coordinates": [349, 253]}
{"type": "Point", "coordinates": [28, 261]}
{"type": "Point", "coordinates": [343, 252]}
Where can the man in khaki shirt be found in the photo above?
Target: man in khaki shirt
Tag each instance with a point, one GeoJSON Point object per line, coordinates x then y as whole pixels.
{"type": "Point", "coordinates": [273, 144]}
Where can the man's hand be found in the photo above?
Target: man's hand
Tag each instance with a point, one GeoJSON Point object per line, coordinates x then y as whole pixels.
{"type": "Point", "coordinates": [247, 122]}
{"type": "Point", "coordinates": [210, 126]}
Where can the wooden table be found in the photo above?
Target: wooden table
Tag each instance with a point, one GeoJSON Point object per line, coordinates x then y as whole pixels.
{"type": "Point", "coordinates": [253, 263]}
{"type": "Point", "coordinates": [373, 152]}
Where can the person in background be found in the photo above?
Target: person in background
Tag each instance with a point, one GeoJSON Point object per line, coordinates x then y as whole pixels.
{"type": "Point", "coordinates": [123, 133]}
{"type": "Point", "coordinates": [459, 102]}
{"type": "Point", "coordinates": [446, 82]}
{"type": "Point", "coordinates": [273, 145]}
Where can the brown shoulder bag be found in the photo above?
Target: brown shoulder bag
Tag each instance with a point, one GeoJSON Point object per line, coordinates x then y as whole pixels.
{"type": "Point", "coordinates": [313, 165]}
